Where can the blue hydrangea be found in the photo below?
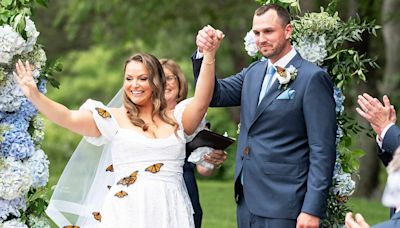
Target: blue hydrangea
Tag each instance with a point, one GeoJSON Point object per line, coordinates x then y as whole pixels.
{"type": "Point", "coordinates": [17, 144]}
{"type": "Point", "coordinates": [11, 208]}
{"type": "Point", "coordinates": [27, 109]}
{"type": "Point", "coordinates": [39, 166]}
{"type": "Point", "coordinates": [339, 99]}
{"type": "Point", "coordinates": [42, 86]}
{"type": "Point", "coordinates": [339, 134]}
{"type": "Point", "coordinates": [343, 185]}
{"type": "Point", "coordinates": [15, 121]}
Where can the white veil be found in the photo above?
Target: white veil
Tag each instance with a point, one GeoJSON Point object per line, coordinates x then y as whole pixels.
{"type": "Point", "coordinates": [80, 190]}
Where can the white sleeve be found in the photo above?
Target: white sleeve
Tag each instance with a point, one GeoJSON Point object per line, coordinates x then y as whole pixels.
{"type": "Point", "coordinates": [106, 124]}
{"type": "Point", "coordinates": [178, 113]}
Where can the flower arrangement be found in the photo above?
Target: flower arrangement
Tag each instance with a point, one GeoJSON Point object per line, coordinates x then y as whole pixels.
{"type": "Point", "coordinates": [320, 38]}
{"type": "Point", "coordinates": [24, 167]}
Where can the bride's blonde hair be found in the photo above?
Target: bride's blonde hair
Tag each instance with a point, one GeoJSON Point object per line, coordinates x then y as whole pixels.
{"type": "Point", "coordinates": [157, 84]}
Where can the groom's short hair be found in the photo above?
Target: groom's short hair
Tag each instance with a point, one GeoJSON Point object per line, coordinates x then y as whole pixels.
{"type": "Point", "coordinates": [283, 14]}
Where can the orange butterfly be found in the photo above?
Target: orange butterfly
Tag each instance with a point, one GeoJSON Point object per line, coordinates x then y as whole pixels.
{"type": "Point", "coordinates": [281, 71]}
{"type": "Point", "coordinates": [103, 113]}
{"type": "Point", "coordinates": [129, 179]}
{"type": "Point", "coordinates": [154, 168]}
{"type": "Point", "coordinates": [71, 226]}
{"type": "Point", "coordinates": [121, 194]}
{"type": "Point", "coordinates": [110, 168]}
{"type": "Point", "coordinates": [97, 216]}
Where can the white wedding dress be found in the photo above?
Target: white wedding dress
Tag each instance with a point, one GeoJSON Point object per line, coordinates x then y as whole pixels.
{"type": "Point", "coordinates": [155, 199]}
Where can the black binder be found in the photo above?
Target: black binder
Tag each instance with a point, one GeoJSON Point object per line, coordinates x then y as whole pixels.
{"type": "Point", "coordinates": [209, 139]}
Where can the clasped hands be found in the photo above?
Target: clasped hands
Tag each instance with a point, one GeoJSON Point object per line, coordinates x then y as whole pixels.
{"type": "Point", "coordinates": [208, 39]}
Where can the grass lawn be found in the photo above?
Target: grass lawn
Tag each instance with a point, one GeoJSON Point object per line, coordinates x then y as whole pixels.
{"type": "Point", "coordinates": [219, 209]}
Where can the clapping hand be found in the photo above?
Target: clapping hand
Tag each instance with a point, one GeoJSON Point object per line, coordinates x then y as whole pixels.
{"type": "Point", "coordinates": [377, 114]}
{"type": "Point", "coordinates": [358, 222]}
{"type": "Point", "coordinates": [25, 79]}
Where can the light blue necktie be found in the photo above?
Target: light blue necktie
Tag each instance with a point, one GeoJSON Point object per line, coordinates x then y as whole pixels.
{"type": "Point", "coordinates": [267, 82]}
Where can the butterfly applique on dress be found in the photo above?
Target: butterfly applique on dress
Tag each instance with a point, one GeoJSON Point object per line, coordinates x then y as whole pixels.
{"type": "Point", "coordinates": [103, 113]}
{"type": "Point", "coordinates": [121, 194]}
{"type": "Point", "coordinates": [129, 179]}
{"type": "Point", "coordinates": [154, 168]}
{"type": "Point", "coordinates": [97, 216]}
{"type": "Point", "coordinates": [110, 168]}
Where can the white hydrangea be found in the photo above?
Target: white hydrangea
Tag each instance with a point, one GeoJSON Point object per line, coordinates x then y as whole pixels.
{"type": "Point", "coordinates": [31, 33]}
{"type": "Point", "coordinates": [39, 168]}
{"type": "Point", "coordinates": [14, 223]}
{"type": "Point", "coordinates": [10, 94]}
{"type": "Point", "coordinates": [312, 48]}
{"type": "Point", "coordinates": [38, 222]}
{"type": "Point", "coordinates": [250, 44]}
{"type": "Point", "coordinates": [11, 43]}
{"type": "Point", "coordinates": [15, 179]}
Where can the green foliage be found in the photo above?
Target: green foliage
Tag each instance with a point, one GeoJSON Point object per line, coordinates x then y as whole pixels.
{"type": "Point", "coordinates": [13, 12]}
{"type": "Point", "coordinates": [36, 203]}
{"type": "Point", "coordinates": [344, 63]}
{"type": "Point", "coordinates": [3, 129]}
{"type": "Point", "coordinates": [291, 4]}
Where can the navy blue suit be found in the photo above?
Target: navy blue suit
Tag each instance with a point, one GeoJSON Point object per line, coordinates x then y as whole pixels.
{"type": "Point", "coordinates": [389, 144]}
{"type": "Point", "coordinates": [191, 185]}
{"type": "Point", "coordinates": [394, 222]}
{"type": "Point", "coordinates": [286, 148]}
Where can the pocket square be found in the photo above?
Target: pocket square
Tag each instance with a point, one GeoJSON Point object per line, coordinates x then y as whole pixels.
{"type": "Point", "coordinates": [287, 95]}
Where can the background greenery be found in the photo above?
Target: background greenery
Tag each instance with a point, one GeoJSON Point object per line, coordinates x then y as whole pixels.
{"type": "Point", "coordinates": [93, 38]}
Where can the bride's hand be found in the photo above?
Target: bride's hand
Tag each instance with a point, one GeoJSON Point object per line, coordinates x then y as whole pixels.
{"type": "Point", "coordinates": [25, 79]}
{"type": "Point", "coordinates": [217, 36]}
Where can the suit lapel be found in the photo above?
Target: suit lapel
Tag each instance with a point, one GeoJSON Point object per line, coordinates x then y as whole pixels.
{"type": "Point", "coordinates": [255, 87]}
{"type": "Point", "coordinates": [273, 91]}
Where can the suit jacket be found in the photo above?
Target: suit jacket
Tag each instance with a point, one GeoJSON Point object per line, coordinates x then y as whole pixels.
{"type": "Point", "coordinates": [394, 222]}
{"type": "Point", "coordinates": [286, 148]}
{"type": "Point", "coordinates": [389, 144]}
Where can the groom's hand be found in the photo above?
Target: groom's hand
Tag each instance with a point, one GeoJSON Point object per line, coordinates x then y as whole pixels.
{"type": "Point", "coordinates": [205, 38]}
{"type": "Point", "coordinates": [307, 221]}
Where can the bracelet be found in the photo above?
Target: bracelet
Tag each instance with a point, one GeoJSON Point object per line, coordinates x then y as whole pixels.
{"type": "Point", "coordinates": [210, 62]}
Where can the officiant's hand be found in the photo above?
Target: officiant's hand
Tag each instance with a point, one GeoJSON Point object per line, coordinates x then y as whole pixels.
{"type": "Point", "coordinates": [305, 220]}
{"type": "Point", "coordinates": [25, 79]}
{"type": "Point", "coordinates": [216, 157]}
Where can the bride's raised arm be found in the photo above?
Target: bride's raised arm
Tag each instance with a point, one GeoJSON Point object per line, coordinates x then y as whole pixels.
{"type": "Point", "coordinates": [196, 110]}
{"type": "Point", "coordinates": [78, 121]}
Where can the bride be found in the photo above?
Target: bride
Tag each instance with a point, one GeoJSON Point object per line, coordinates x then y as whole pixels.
{"type": "Point", "coordinates": [146, 141]}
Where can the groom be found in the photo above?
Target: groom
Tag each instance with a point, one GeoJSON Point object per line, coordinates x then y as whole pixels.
{"type": "Point", "coordinates": [286, 149]}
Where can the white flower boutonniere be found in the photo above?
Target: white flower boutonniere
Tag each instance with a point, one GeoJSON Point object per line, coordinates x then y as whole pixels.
{"type": "Point", "coordinates": [285, 76]}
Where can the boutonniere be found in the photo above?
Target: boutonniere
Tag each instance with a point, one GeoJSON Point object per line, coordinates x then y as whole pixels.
{"type": "Point", "coordinates": [285, 76]}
